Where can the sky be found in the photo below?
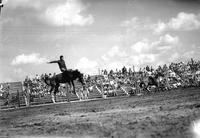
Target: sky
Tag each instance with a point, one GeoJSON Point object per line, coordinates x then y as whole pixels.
{"type": "Point", "coordinates": [95, 34]}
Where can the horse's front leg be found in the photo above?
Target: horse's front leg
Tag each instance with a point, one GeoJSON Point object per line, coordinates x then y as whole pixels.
{"type": "Point", "coordinates": [70, 86]}
{"type": "Point", "coordinates": [53, 96]}
{"type": "Point", "coordinates": [73, 87]}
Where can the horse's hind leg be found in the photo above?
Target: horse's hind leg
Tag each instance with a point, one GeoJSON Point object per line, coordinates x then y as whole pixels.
{"type": "Point", "coordinates": [52, 95]}
{"type": "Point", "coordinates": [67, 93]}
{"type": "Point", "coordinates": [70, 86]}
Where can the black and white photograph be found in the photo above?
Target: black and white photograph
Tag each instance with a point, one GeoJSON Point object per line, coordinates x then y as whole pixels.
{"type": "Point", "coordinates": [99, 68]}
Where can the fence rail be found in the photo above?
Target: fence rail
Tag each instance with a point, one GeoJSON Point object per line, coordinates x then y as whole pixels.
{"type": "Point", "coordinates": [17, 98]}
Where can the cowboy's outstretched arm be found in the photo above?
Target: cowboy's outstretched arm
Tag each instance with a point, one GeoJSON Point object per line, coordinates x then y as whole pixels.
{"type": "Point", "coordinates": [53, 62]}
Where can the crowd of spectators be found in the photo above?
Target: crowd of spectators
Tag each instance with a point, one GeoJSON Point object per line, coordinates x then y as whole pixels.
{"type": "Point", "coordinates": [5, 92]}
{"type": "Point", "coordinates": [174, 75]}
{"type": "Point", "coordinates": [35, 85]}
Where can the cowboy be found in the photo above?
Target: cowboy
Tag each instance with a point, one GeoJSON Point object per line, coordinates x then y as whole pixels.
{"type": "Point", "coordinates": [61, 64]}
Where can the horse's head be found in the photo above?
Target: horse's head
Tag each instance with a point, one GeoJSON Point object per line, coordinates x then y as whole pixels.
{"type": "Point", "coordinates": [79, 76]}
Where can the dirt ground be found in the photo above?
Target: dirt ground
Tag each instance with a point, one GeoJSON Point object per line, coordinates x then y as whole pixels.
{"type": "Point", "coordinates": [165, 114]}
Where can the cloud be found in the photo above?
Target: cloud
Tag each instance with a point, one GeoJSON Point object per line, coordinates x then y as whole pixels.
{"type": "Point", "coordinates": [160, 27]}
{"type": "Point", "coordinates": [164, 49]}
{"type": "Point", "coordinates": [18, 70]}
{"type": "Point", "coordinates": [105, 58]}
{"type": "Point", "coordinates": [141, 46]}
{"type": "Point", "coordinates": [189, 54]}
{"type": "Point", "coordinates": [169, 40]}
{"type": "Point", "coordinates": [28, 59]}
{"type": "Point", "coordinates": [132, 22]}
{"type": "Point", "coordinates": [151, 52]}
{"type": "Point", "coordinates": [48, 12]}
{"type": "Point", "coordinates": [137, 24]}
{"type": "Point", "coordinates": [141, 53]}
{"type": "Point", "coordinates": [183, 22]}
{"type": "Point", "coordinates": [68, 14]}
{"type": "Point", "coordinates": [143, 59]}
{"type": "Point", "coordinates": [115, 65]}
{"type": "Point", "coordinates": [115, 51]}
{"type": "Point", "coordinates": [87, 66]}
{"type": "Point", "coordinates": [174, 56]}
{"type": "Point", "coordinates": [23, 3]}
{"type": "Point", "coordinates": [138, 61]}
{"type": "Point", "coordinates": [165, 42]}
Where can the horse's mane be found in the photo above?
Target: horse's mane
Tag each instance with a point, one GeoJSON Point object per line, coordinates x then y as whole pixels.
{"type": "Point", "coordinates": [76, 70]}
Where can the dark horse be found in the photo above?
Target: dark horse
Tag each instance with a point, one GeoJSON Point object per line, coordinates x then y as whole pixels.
{"type": "Point", "coordinates": [151, 81]}
{"type": "Point", "coordinates": [66, 77]}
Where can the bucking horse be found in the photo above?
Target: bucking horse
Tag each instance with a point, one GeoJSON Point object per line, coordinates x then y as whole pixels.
{"type": "Point", "coordinates": [66, 77]}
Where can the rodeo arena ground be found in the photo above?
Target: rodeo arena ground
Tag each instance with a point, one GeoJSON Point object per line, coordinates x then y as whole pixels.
{"type": "Point", "coordinates": [162, 102]}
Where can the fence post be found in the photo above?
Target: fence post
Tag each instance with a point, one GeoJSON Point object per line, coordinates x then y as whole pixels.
{"type": "Point", "coordinates": [101, 92]}
{"type": "Point", "coordinates": [27, 96]}
{"type": "Point", "coordinates": [18, 96]}
{"type": "Point", "coordinates": [125, 91]}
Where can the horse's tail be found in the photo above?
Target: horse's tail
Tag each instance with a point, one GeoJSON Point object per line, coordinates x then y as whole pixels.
{"type": "Point", "coordinates": [48, 81]}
